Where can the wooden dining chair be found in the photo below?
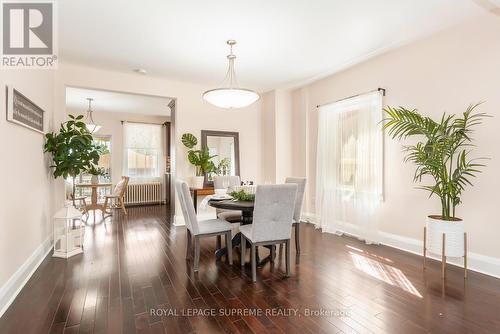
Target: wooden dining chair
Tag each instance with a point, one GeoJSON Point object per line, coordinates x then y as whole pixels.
{"type": "Point", "coordinates": [272, 222]}
{"type": "Point", "coordinates": [118, 195]}
{"type": "Point", "coordinates": [201, 229]}
{"type": "Point", "coordinates": [83, 204]}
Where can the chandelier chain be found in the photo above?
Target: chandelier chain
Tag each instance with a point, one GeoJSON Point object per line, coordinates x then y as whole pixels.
{"type": "Point", "coordinates": [90, 119]}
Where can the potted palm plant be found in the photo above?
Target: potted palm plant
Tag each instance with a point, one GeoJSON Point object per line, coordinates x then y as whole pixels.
{"type": "Point", "coordinates": [201, 159]}
{"type": "Point", "coordinates": [442, 156]}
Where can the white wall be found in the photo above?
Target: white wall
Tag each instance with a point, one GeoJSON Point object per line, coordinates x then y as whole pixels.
{"type": "Point", "coordinates": [269, 136]}
{"type": "Point", "coordinates": [25, 198]}
{"type": "Point", "coordinates": [278, 135]}
{"type": "Point", "coordinates": [284, 135]}
{"type": "Point", "coordinates": [445, 72]}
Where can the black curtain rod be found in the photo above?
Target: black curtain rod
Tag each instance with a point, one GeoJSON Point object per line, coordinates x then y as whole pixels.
{"type": "Point", "coordinates": [144, 122]}
{"type": "Point", "coordinates": [350, 97]}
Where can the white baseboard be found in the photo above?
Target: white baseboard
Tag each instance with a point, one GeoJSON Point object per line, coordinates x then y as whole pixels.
{"type": "Point", "coordinates": [10, 290]}
{"type": "Point", "coordinates": [179, 219]}
{"type": "Point", "coordinates": [476, 262]}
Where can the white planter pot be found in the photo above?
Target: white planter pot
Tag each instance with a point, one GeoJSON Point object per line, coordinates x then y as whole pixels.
{"type": "Point", "coordinates": [197, 182]}
{"type": "Point", "coordinates": [94, 179]}
{"type": "Point", "coordinates": [454, 240]}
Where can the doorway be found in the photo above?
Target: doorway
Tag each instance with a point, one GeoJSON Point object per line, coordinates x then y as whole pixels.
{"type": "Point", "coordinates": [136, 131]}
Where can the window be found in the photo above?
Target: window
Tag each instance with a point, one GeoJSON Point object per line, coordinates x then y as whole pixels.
{"type": "Point", "coordinates": [104, 162]}
{"type": "Point", "coordinates": [349, 164]}
{"type": "Point", "coordinates": [105, 157]}
{"type": "Point", "coordinates": [143, 151]}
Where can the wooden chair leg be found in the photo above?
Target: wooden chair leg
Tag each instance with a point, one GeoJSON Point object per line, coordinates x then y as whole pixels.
{"type": "Point", "coordinates": [85, 211]}
{"type": "Point", "coordinates": [196, 252]}
{"type": "Point", "coordinates": [254, 264]}
{"type": "Point", "coordinates": [287, 254]}
{"type": "Point", "coordinates": [188, 244]}
{"type": "Point", "coordinates": [229, 246]}
{"type": "Point", "coordinates": [219, 242]}
{"type": "Point", "coordinates": [105, 204]}
{"type": "Point", "coordinates": [425, 247]}
{"type": "Point", "coordinates": [443, 258]}
{"type": "Point", "coordinates": [465, 255]}
{"type": "Point", "coordinates": [242, 250]}
{"type": "Point", "coordinates": [122, 204]}
{"type": "Point", "coordinates": [297, 238]}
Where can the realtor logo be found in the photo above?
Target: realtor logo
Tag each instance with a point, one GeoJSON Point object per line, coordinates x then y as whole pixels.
{"type": "Point", "coordinates": [28, 38]}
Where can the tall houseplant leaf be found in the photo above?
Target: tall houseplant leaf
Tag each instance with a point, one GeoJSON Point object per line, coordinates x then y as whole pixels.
{"type": "Point", "coordinates": [442, 152]}
{"type": "Point", "coordinates": [201, 159]}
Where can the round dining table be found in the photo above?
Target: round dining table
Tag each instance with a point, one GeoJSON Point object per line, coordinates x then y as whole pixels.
{"type": "Point", "coordinates": [246, 208]}
{"type": "Point", "coordinates": [94, 204]}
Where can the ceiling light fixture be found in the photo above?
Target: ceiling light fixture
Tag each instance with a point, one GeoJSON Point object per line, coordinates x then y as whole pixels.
{"type": "Point", "coordinates": [89, 120]}
{"type": "Point", "coordinates": [230, 95]}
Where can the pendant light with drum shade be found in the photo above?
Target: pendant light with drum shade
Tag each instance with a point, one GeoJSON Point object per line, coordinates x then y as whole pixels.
{"type": "Point", "coordinates": [230, 95]}
{"type": "Point", "coordinates": [89, 120]}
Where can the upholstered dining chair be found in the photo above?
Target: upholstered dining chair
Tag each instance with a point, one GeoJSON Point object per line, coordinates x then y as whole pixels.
{"type": "Point", "coordinates": [227, 182]}
{"type": "Point", "coordinates": [233, 216]}
{"type": "Point", "coordinates": [201, 229]}
{"type": "Point", "coordinates": [272, 222]}
{"type": "Point", "coordinates": [301, 186]}
{"type": "Point", "coordinates": [118, 195]}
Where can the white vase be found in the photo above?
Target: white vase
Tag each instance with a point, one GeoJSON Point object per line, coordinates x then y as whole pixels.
{"type": "Point", "coordinates": [197, 182]}
{"type": "Point", "coordinates": [454, 240]}
{"type": "Point", "coordinates": [94, 179]}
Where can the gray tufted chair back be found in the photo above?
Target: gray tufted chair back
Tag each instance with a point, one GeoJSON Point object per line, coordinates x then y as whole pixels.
{"type": "Point", "coordinates": [187, 207]}
{"type": "Point", "coordinates": [234, 181]}
{"type": "Point", "coordinates": [301, 187]}
{"type": "Point", "coordinates": [273, 212]}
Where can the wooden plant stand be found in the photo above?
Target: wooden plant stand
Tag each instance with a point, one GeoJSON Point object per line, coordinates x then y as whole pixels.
{"type": "Point", "coordinates": [443, 255]}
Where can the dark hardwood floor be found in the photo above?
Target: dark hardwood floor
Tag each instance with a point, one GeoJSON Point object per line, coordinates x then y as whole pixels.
{"type": "Point", "coordinates": [136, 264]}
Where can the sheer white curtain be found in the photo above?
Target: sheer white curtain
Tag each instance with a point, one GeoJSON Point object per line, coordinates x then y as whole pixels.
{"type": "Point", "coordinates": [143, 151]}
{"type": "Point", "coordinates": [350, 166]}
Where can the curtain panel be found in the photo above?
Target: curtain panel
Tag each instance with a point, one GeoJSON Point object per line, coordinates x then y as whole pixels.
{"type": "Point", "coordinates": [349, 175]}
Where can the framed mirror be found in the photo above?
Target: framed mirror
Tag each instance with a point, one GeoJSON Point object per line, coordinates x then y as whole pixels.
{"type": "Point", "coordinates": [225, 145]}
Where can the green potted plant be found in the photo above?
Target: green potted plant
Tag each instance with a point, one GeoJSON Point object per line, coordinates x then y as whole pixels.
{"type": "Point", "coordinates": [442, 156]}
{"type": "Point", "coordinates": [95, 171]}
{"type": "Point", "coordinates": [200, 158]}
{"type": "Point", "coordinates": [73, 150]}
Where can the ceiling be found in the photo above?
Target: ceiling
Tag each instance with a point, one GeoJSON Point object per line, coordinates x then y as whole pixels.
{"type": "Point", "coordinates": [107, 101]}
{"type": "Point", "coordinates": [280, 42]}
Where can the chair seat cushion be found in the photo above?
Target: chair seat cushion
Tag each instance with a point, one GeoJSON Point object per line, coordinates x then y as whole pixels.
{"type": "Point", "coordinates": [112, 196]}
{"type": "Point", "coordinates": [230, 215]}
{"type": "Point", "coordinates": [246, 230]}
{"type": "Point", "coordinates": [213, 226]}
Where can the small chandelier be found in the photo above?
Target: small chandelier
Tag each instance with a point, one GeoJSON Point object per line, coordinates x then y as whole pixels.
{"type": "Point", "coordinates": [89, 120]}
{"type": "Point", "coordinates": [230, 95]}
